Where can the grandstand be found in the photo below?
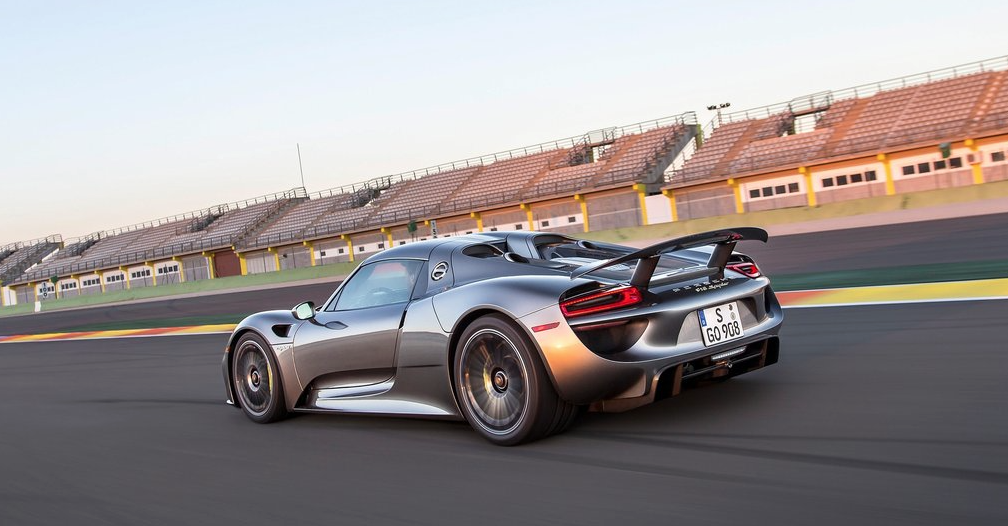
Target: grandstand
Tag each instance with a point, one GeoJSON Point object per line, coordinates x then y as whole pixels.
{"type": "Point", "coordinates": [919, 132]}
{"type": "Point", "coordinates": [933, 130]}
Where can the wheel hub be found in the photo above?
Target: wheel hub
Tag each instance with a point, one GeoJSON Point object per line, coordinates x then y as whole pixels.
{"type": "Point", "coordinates": [254, 379]}
{"type": "Point", "coordinates": [500, 380]}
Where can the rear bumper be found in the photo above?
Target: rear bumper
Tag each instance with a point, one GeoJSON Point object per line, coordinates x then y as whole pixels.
{"type": "Point", "coordinates": [635, 378]}
{"type": "Point", "coordinates": [676, 378]}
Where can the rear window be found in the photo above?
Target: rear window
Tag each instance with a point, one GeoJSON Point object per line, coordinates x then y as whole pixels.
{"type": "Point", "coordinates": [574, 256]}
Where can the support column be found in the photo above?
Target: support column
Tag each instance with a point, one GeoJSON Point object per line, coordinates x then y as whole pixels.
{"type": "Point", "coordinates": [528, 215]}
{"type": "Point", "coordinates": [739, 206]}
{"type": "Point", "coordinates": [890, 186]}
{"type": "Point", "coordinates": [181, 269]}
{"type": "Point", "coordinates": [977, 164]}
{"type": "Point", "coordinates": [242, 264]}
{"type": "Point", "coordinates": [311, 251]}
{"type": "Point", "coordinates": [584, 209]}
{"type": "Point", "coordinates": [101, 280]}
{"type": "Point", "coordinates": [388, 236]}
{"type": "Point", "coordinates": [670, 194]}
{"type": "Point", "coordinates": [809, 187]}
{"type": "Point", "coordinates": [349, 244]}
{"type": "Point", "coordinates": [641, 190]}
{"type": "Point", "coordinates": [210, 264]}
{"type": "Point", "coordinates": [479, 220]}
{"type": "Point", "coordinates": [126, 276]}
{"type": "Point", "coordinates": [276, 256]}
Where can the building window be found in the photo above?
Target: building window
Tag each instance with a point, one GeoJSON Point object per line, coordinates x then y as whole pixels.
{"type": "Point", "coordinates": [997, 157]}
{"type": "Point", "coordinates": [856, 178]}
{"type": "Point", "coordinates": [493, 229]}
{"type": "Point", "coordinates": [869, 175]}
{"type": "Point", "coordinates": [827, 182]}
{"type": "Point", "coordinates": [841, 180]}
{"type": "Point", "coordinates": [792, 188]}
{"type": "Point", "coordinates": [779, 189]}
{"type": "Point", "coordinates": [955, 162]}
{"type": "Point", "coordinates": [908, 170]}
{"type": "Point", "coordinates": [767, 191]}
{"type": "Point", "coordinates": [360, 249]}
{"type": "Point", "coordinates": [402, 242]}
{"type": "Point", "coordinates": [469, 231]}
{"type": "Point", "coordinates": [753, 194]}
{"type": "Point", "coordinates": [571, 219]}
{"type": "Point", "coordinates": [544, 223]}
{"type": "Point", "coordinates": [338, 251]}
{"type": "Point", "coordinates": [939, 165]}
{"type": "Point", "coordinates": [518, 227]}
{"type": "Point", "coordinates": [923, 168]}
{"type": "Point", "coordinates": [381, 245]}
{"type": "Point", "coordinates": [322, 253]}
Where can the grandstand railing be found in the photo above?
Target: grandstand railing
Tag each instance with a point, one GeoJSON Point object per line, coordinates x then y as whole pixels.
{"type": "Point", "coordinates": [218, 209]}
{"type": "Point", "coordinates": [823, 100]}
{"type": "Point", "coordinates": [595, 136]}
{"type": "Point", "coordinates": [17, 245]}
{"type": "Point", "coordinates": [993, 121]}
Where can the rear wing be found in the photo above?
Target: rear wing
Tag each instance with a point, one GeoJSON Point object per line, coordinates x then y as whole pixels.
{"type": "Point", "coordinates": [723, 241]}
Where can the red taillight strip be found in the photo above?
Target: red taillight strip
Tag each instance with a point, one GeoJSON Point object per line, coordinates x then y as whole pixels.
{"type": "Point", "coordinates": [749, 270]}
{"type": "Point", "coordinates": [624, 297]}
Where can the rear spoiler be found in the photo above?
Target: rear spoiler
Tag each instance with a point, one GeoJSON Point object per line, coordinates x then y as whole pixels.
{"type": "Point", "coordinates": [723, 241]}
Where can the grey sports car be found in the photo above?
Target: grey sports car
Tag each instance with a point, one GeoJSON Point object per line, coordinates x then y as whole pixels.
{"type": "Point", "coordinates": [516, 332]}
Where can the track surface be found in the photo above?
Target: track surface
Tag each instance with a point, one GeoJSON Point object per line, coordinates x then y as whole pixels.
{"type": "Point", "coordinates": [875, 415]}
{"type": "Point", "coordinates": [976, 238]}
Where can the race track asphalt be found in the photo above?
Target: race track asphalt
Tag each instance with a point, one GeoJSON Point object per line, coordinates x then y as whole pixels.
{"type": "Point", "coordinates": [976, 238]}
{"type": "Point", "coordinates": [967, 239]}
{"type": "Point", "coordinates": [891, 415]}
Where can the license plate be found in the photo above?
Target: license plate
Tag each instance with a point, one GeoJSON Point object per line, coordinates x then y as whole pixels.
{"type": "Point", "coordinates": [721, 323]}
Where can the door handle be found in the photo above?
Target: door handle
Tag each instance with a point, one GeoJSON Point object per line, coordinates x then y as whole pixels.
{"type": "Point", "coordinates": [336, 325]}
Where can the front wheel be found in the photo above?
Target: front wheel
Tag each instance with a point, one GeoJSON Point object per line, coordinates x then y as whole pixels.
{"type": "Point", "coordinates": [502, 387]}
{"type": "Point", "coordinates": [257, 380]}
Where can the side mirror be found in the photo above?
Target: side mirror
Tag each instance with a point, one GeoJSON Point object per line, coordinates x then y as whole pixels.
{"type": "Point", "coordinates": [304, 311]}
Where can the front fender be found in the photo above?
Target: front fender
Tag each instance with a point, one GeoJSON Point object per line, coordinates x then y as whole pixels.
{"type": "Point", "coordinates": [277, 328]}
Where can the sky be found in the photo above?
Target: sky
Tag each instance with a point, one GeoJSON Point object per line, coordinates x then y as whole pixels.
{"type": "Point", "coordinates": [116, 113]}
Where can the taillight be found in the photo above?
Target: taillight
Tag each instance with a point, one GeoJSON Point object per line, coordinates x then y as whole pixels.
{"type": "Point", "coordinates": [601, 301]}
{"type": "Point", "coordinates": [746, 268]}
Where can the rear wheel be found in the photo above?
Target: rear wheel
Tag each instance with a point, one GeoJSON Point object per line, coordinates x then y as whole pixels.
{"type": "Point", "coordinates": [256, 380]}
{"type": "Point", "coordinates": [502, 387]}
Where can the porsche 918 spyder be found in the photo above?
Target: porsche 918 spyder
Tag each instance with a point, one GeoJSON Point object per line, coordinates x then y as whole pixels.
{"type": "Point", "coordinates": [515, 332]}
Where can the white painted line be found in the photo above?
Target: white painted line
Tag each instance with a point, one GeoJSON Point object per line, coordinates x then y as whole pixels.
{"type": "Point", "coordinates": [893, 302]}
{"type": "Point", "coordinates": [121, 337]}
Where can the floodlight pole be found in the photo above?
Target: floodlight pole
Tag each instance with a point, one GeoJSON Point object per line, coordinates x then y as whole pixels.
{"type": "Point", "coordinates": [299, 164]}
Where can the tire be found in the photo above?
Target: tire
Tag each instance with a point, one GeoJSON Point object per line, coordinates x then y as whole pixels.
{"type": "Point", "coordinates": [256, 380]}
{"type": "Point", "coordinates": [502, 387]}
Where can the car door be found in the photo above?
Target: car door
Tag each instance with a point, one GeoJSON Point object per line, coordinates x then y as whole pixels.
{"type": "Point", "coordinates": [353, 341]}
